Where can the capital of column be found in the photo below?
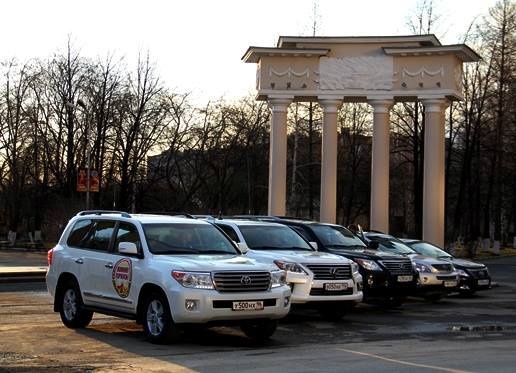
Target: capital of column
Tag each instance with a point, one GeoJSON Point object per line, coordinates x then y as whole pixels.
{"type": "Point", "coordinates": [330, 105]}
{"type": "Point", "coordinates": [381, 106]}
{"type": "Point", "coordinates": [279, 105]}
{"type": "Point", "coordinates": [435, 105]}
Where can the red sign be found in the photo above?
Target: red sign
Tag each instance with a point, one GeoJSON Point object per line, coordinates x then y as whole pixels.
{"type": "Point", "coordinates": [82, 180]}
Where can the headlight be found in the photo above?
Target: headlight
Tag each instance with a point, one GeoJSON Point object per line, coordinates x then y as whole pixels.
{"type": "Point", "coordinates": [420, 267]}
{"type": "Point", "coordinates": [290, 267]}
{"type": "Point", "coordinates": [278, 278]}
{"type": "Point", "coordinates": [354, 268]}
{"type": "Point", "coordinates": [368, 264]}
{"type": "Point", "coordinates": [197, 280]}
{"type": "Point", "coordinates": [462, 273]}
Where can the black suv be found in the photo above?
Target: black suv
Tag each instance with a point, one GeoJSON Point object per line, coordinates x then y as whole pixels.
{"type": "Point", "coordinates": [387, 277]}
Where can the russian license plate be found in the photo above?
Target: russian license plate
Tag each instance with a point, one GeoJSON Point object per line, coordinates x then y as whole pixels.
{"type": "Point", "coordinates": [450, 284]}
{"type": "Point", "coordinates": [483, 282]}
{"type": "Point", "coordinates": [248, 305]}
{"type": "Point", "coordinates": [336, 287]}
{"type": "Point", "coordinates": [405, 278]}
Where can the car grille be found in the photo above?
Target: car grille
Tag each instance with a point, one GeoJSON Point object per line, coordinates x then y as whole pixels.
{"type": "Point", "coordinates": [330, 271]}
{"type": "Point", "coordinates": [321, 291]}
{"type": "Point", "coordinates": [398, 267]}
{"type": "Point", "coordinates": [479, 274]}
{"type": "Point", "coordinates": [233, 282]}
{"type": "Point", "coordinates": [443, 267]}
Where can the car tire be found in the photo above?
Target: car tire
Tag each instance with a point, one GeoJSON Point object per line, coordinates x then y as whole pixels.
{"type": "Point", "coordinates": [157, 320]}
{"type": "Point", "coordinates": [334, 311]}
{"type": "Point", "coordinates": [71, 309]}
{"type": "Point", "coordinates": [260, 330]}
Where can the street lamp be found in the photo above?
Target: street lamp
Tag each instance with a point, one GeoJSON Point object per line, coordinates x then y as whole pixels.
{"type": "Point", "coordinates": [88, 153]}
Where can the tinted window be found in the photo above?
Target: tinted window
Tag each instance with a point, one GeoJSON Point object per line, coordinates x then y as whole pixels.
{"type": "Point", "coordinates": [79, 233]}
{"type": "Point", "coordinates": [336, 237]}
{"type": "Point", "coordinates": [268, 237]}
{"type": "Point", "coordinates": [127, 233]}
{"type": "Point", "coordinates": [229, 231]}
{"type": "Point", "coordinates": [99, 236]}
{"type": "Point", "coordinates": [302, 232]}
{"type": "Point", "coordinates": [427, 249]}
{"type": "Point", "coordinates": [174, 238]}
{"type": "Point", "coordinates": [391, 245]}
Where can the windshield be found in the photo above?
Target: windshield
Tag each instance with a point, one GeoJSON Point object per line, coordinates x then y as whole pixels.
{"type": "Point", "coordinates": [391, 245]}
{"type": "Point", "coordinates": [179, 238]}
{"type": "Point", "coordinates": [337, 237]}
{"type": "Point", "coordinates": [424, 248]}
{"type": "Point", "coordinates": [269, 237]}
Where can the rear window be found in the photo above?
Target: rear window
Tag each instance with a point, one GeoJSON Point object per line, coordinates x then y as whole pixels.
{"type": "Point", "coordinates": [180, 238]}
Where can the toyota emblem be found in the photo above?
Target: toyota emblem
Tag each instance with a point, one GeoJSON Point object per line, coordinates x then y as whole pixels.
{"type": "Point", "coordinates": [246, 280]}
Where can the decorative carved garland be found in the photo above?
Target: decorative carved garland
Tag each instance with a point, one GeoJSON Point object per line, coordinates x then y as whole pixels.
{"type": "Point", "coordinates": [289, 72]}
{"type": "Point", "coordinates": [422, 71]}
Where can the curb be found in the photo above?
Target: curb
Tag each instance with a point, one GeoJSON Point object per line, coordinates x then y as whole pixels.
{"type": "Point", "coordinates": [9, 275]}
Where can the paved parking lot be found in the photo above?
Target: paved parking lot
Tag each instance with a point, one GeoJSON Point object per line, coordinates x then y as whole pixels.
{"type": "Point", "coordinates": [458, 334]}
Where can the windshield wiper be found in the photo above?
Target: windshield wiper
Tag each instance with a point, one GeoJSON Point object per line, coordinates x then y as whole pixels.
{"type": "Point", "coordinates": [214, 252]}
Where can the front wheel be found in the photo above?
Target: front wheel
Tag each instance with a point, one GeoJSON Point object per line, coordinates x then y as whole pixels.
{"type": "Point", "coordinates": [72, 310]}
{"type": "Point", "coordinates": [157, 321]}
{"type": "Point", "coordinates": [259, 330]}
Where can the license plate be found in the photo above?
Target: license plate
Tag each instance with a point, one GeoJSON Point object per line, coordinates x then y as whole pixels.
{"type": "Point", "coordinates": [248, 306]}
{"type": "Point", "coordinates": [405, 278]}
{"type": "Point", "coordinates": [483, 282]}
{"type": "Point", "coordinates": [335, 287]}
{"type": "Point", "coordinates": [450, 284]}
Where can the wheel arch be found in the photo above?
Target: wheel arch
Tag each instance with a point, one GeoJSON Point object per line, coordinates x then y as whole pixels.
{"type": "Point", "coordinates": [147, 289]}
{"type": "Point", "coordinates": [64, 278]}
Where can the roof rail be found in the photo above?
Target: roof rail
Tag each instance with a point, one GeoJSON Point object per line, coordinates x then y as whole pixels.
{"type": "Point", "coordinates": [169, 213]}
{"type": "Point", "coordinates": [102, 212]}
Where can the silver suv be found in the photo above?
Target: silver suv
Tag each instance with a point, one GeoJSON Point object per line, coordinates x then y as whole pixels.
{"type": "Point", "coordinates": [163, 272]}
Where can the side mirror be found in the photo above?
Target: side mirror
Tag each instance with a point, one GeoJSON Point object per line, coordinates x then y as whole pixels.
{"type": "Point", "coordinates": [242, 247]}
{"type": "Point", "coordinates": [373, 245]}
{"type": "Point", "coordinates": [127, 248]}
{"type": "Point", "coordinates": [314, 245]}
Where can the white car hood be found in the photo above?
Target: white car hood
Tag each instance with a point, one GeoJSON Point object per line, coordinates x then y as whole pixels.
{"type": "Point", "coordinates": [210, 263]}
{"type": "Point", "coordinates": [297, 256]}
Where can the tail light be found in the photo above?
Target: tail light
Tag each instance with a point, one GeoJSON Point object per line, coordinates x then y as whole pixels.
{"type": "Point", "coordinates": [50, 254]}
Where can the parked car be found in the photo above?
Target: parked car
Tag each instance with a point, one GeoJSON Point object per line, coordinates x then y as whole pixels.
{"type": "Point", "coordinates": [329, 282]}
{"type": "Point", "coordinates": [437, 277]}
{"type": "Point", "coordinates": [388, 278]}
{"type": "Point", "coordinates": [164, 272]}
{"type": "Point", "coordinates": [473, 276]}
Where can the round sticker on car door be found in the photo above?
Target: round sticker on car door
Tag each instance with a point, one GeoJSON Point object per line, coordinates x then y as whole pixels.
{"type": "Point", "coordinates": [122, 276]}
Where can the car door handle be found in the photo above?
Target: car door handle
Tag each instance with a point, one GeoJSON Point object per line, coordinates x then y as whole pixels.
{"type": "Point", "coordinates": [79, 261]}
{"type": "Point", "coordinates": [108, 265]}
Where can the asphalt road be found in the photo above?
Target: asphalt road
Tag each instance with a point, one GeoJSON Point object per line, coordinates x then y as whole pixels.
{"type": "Point", "coordinates": [455, 335]}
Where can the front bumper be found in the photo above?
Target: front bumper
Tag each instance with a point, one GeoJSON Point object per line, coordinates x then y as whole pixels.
{"type": "Point", "coordinates": [380, 284]}
{"type": "Point", "coordinates": [444, 282]}
{"type": "Point", "coordinates": [214, 306]}
{"type": "Point", "coordinates": [305, 289]}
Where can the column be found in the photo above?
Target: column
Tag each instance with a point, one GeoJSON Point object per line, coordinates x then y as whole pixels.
{"type": "Point", "coordinates": [379, 213]}
{"type": "Point", "coordinates": [278, 156]}
{"type": "Point", "coordinates": [433, 182]}
{"type": "Point", "coordinates": [328, 213]}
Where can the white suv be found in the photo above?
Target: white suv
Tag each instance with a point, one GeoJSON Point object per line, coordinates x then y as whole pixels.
{"type": "Point", "coordinates": [164, 272]}
{"type": "Point", "coordinates": [330, 282]}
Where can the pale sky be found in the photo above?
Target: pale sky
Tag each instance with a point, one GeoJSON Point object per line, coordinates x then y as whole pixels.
{"type": "Point", "coordinates": [197, 45]}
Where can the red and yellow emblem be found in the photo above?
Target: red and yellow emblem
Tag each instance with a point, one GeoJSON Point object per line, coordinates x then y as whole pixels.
{"type": "Point", "coordinates": [122, 276]}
